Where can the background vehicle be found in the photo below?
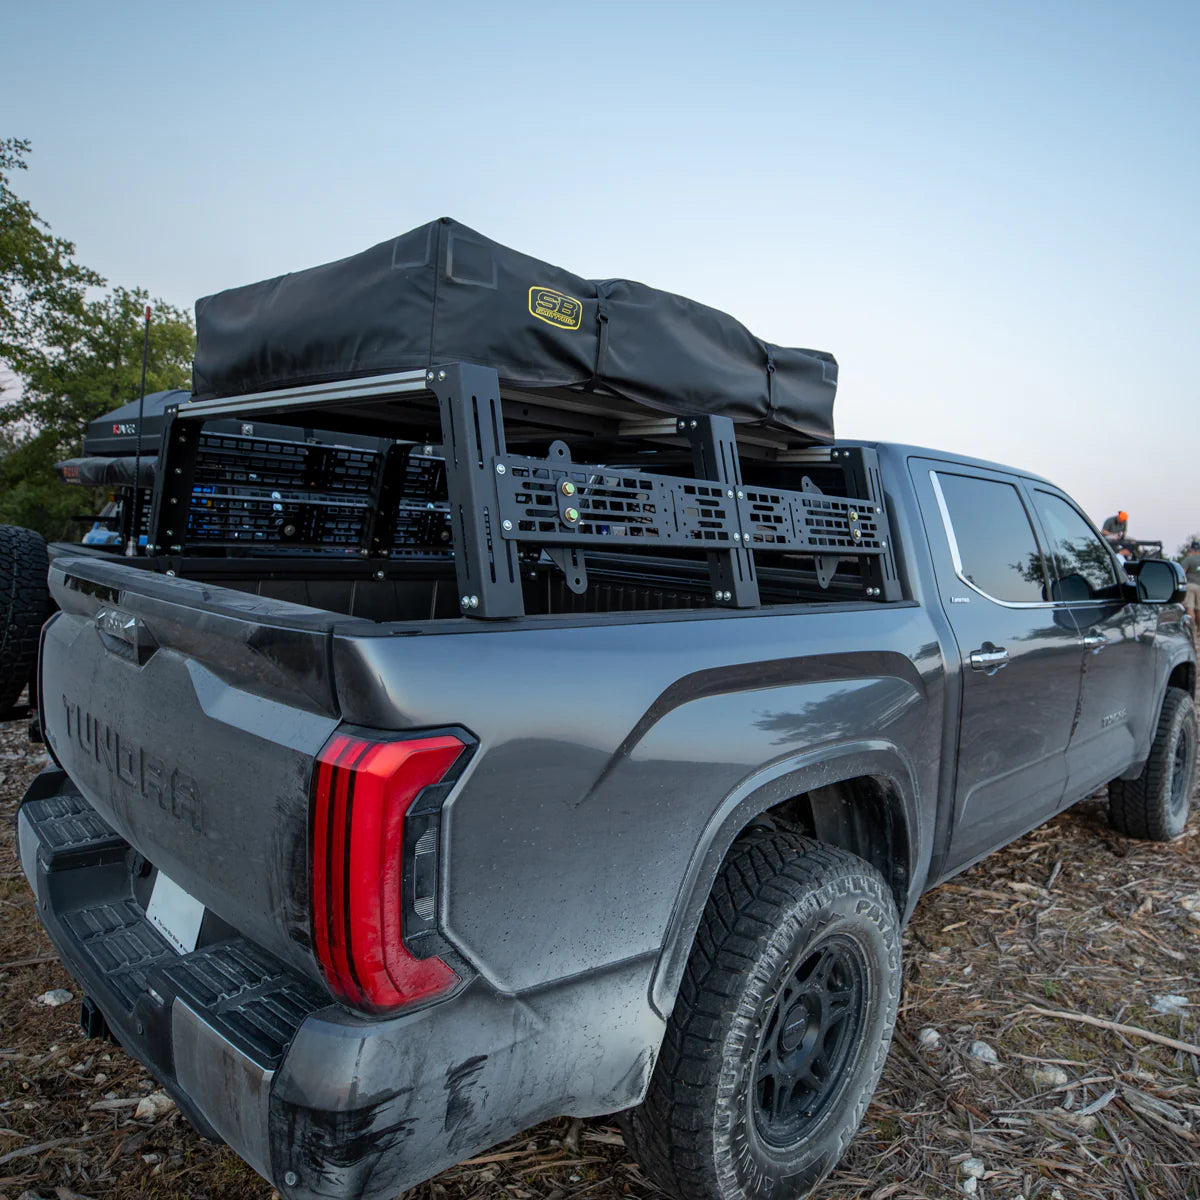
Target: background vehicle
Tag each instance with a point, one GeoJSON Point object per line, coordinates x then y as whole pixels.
{"type": "Point", "coordinates": [1141, 549]}
{"type": "Point", "coordinates": [246, 460]}
{"type": "Point", "coordinates": [613, 799]}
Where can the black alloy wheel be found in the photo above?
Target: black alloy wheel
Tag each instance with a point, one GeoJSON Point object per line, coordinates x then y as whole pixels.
{"type": "Point", "coordinates": [807, 1040]}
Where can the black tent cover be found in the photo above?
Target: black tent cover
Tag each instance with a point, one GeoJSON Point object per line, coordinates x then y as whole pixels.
{"type": "Point", "coordinates": [444, 293]}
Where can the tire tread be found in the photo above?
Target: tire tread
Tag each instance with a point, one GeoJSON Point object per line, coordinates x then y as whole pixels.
{"type": "Point", "coordinates": [26, 599]}
{"type": "Point", "coordinates": [1137, 807]}
{"type": "Point", "coordinates": [670, 1133]}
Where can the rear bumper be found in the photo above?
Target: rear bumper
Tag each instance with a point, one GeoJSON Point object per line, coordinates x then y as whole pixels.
{"type": "Point", "coordinates": [212, 1026]}
{"type": "Point", "coordinates": [320, 1101]}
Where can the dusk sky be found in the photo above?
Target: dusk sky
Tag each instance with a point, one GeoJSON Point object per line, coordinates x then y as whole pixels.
{"type": "Point", "coordinates": [987, 212]}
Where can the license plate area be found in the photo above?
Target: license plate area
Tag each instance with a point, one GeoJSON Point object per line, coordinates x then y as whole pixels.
{"type": "Point", "coordinates": [176, 914]}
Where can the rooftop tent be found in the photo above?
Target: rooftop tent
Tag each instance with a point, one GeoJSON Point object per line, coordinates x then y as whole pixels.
{"type": "Point", "coordinates": [444, 293]}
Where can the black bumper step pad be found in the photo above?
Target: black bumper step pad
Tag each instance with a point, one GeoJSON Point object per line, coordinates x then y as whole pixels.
{"type": "Point", "coordinates": [255, 1002]}
{"type": "Point", "coordinates": [68, 825]}
{"type": "Point", "coordinates": [245, 994]}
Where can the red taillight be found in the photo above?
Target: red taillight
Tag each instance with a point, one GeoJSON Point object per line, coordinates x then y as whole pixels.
{"type": "Point", "coordinates": [361, 793]}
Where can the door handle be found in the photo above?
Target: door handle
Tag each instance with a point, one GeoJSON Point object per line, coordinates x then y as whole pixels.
{"type": "Point", "coordinates": [988, 658]}
{"type": "Point", "coordinates": [1095, 642]}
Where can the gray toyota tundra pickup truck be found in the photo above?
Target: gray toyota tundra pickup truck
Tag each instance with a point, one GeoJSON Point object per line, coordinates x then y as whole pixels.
{"type": "Point", "coordinates": [617, 804]}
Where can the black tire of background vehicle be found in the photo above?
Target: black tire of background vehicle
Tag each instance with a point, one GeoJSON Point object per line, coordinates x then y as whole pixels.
{"type": "Point", "coordinates": [1155, 805]}
{"type": "Point", "coordinates": [783, 906]}
{"type": "Point", "coordinates": [24, 607]}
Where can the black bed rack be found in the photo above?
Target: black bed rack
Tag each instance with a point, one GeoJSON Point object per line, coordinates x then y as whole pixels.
{"type": "Point", "coordinates": [505, 501]}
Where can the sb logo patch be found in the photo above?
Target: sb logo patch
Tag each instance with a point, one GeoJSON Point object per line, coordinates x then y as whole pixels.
{"type": "Point", "coordinates": [555, 308]}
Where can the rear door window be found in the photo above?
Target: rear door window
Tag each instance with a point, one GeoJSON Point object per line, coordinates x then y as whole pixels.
{"type": "Point", "coordinates": [1081, 564]}
{"type": "Point", "coordinates": [992, 540]}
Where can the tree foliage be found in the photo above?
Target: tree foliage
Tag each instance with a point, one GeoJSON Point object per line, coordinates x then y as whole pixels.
{"type": "Point", "coordinates": [42, 288]}
{"type": "Point", "coordinates": [30, 494]}
{"type": "Point", "coordinates": [77, 352]}
{"type": "Point", "coordinates": [96, 365]}
{"type": "Point", "coordinates": [1193, 539]}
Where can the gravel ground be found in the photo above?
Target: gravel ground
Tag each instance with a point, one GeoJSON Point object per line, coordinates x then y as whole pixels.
{"type": "Point", "coordinates": [1071, 922]}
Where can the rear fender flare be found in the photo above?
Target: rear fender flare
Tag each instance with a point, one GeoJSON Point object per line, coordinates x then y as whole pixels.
{"type": "Point", "coordinates": [761, 791]}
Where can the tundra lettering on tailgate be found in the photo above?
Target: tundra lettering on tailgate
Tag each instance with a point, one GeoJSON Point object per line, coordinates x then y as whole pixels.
{"type": "Point", "coordinates": [173, 790]}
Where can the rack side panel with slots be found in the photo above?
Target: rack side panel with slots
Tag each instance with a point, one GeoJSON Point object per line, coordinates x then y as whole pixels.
{"type": "Point", "coordinates": [502, 503]}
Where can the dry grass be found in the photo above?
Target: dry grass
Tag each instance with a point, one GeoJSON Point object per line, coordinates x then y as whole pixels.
{"type": "Point", "coordinates": [1072, 919]}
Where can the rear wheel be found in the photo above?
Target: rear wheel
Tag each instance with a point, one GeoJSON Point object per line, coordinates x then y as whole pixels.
{"type": "Point", "coordinates": [1155, 805]}
{"type": "Point", "coordinates": [780, 1029]}
{"type": "Point", "coordinates": [24, 607]}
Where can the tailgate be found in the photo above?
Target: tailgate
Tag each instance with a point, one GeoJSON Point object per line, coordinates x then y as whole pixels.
{"type": "Point", "coordinates": [189, 717]}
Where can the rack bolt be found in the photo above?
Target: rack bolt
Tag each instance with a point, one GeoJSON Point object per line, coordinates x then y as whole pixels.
{"type": "Point", "coordinates": [730, 493]}
{"type": "Point", "coordinates": [507, 526]}
{"type": "Point", "coordinates": [169, 572]}
{"type": "Point", "coordinates": [878, 510]}
{"type": "Point", "coordinates": [499, 468]}
{"type": "Point", "coordinates": [571, 514]}
{"type": "Point", "coordinates": [474, 601]}
{"type": "Point", "coordinates": [466, 602]}
{"type": "Point", "coordinates": [378, 574]}
{"type": "Point", "coordinates": [741, 495]}
{"type": "Point", "coordinates": [441, 376]}
{"type": "Point", "coordinates": [693, 425]}
{"type": "Point", "coordinates": [170, 533]}
{"type": "Point", "coordinates": [173, 500]}
{"type": "Point", "coordinates": [429, 375]}
{"type": "Point", "coordinates": [176, 549]}
{"type": "Point", "coordinates": [567, 488]}
{"type": "Point", "coordinates": [363, 553]}
{"type": "Point", "coordinates": [291, 1178]}
{"type": "Point", "coordinates": [853, 515]}
{"type": "Point", "coordinates": [178, 470]}
{"type": "Point", "coordinates": [856, 534]}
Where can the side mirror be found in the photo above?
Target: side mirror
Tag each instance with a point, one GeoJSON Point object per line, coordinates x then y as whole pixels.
{"type": "Point", "coordinates": [1159, 581]}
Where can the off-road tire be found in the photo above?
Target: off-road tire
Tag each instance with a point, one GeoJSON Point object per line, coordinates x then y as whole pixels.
{"type": "Point", "coordinates": [24, 607]}
{"type": "Point", "coordinates": [782, 901]}
{"type": "Point", "coordinates": [1155, 805]}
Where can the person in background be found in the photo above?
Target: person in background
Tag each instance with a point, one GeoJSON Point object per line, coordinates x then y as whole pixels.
{"type": "Point", "coordinates": [1114, 527]}
{"type": "Point", "coordinates": [1191, 565]}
